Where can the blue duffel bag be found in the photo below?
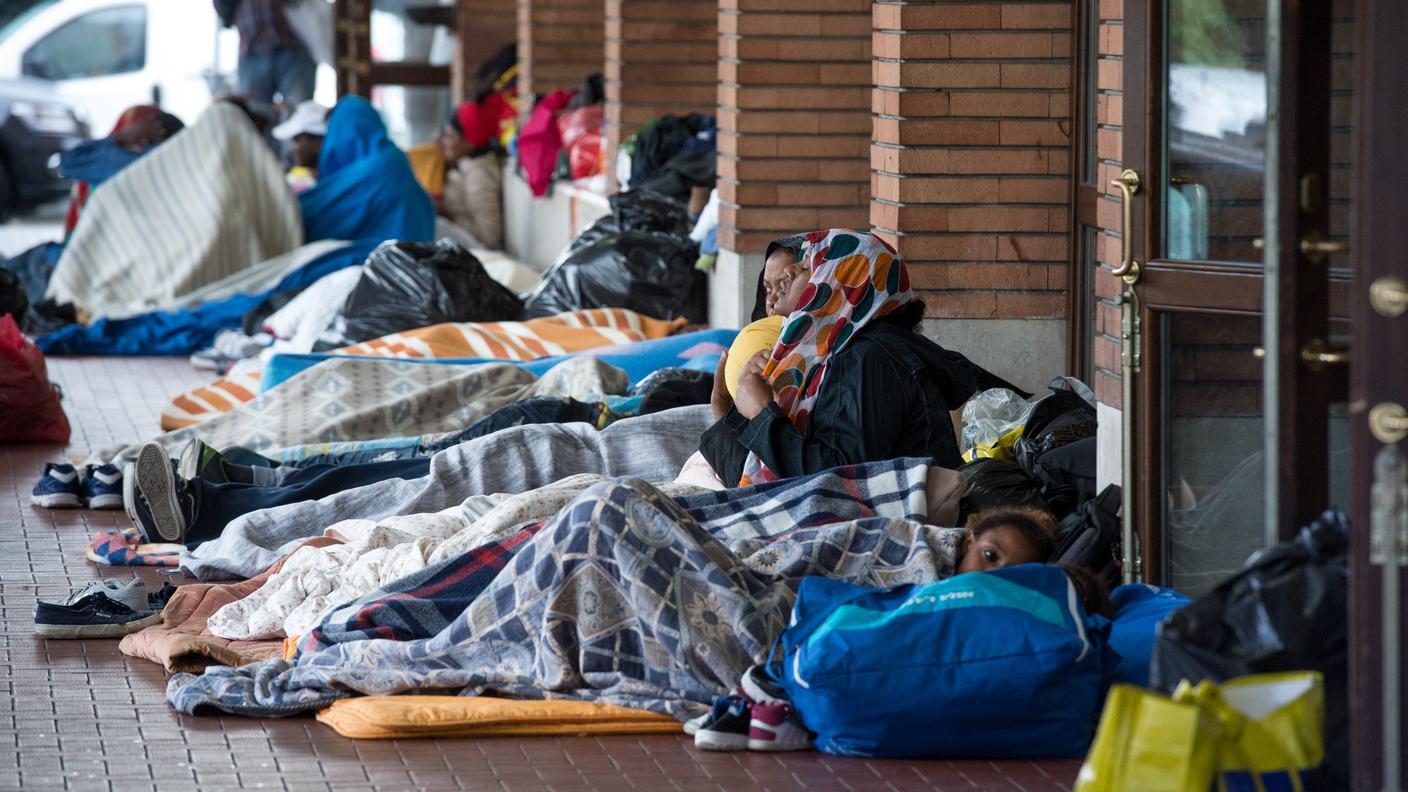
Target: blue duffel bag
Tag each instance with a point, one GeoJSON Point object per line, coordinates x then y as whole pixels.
{"type": "Point", "coordinates": [990, 664]}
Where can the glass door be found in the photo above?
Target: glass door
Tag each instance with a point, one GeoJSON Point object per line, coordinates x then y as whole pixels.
{"type": "Point", "coordinates": [1218, 192]}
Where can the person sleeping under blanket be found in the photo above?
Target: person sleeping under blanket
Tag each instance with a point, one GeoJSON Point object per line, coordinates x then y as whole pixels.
{"type": "Point", "coordinates": [626, 597]}
{"type": "Point", "coordinates": [849, 308]}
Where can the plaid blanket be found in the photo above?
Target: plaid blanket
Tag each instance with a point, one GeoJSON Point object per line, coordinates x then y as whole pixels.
{"type": "Point", "coordinates": [624, 598]}
{"type": "Point", "coordinates": [553, 335]}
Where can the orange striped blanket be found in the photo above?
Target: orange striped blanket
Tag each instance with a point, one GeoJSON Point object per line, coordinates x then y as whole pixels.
{"type": "Point", "coordinates": [563, 334]}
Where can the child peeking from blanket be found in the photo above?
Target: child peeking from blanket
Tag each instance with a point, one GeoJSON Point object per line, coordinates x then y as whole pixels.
{"type": "Point", "coordinates": [1006, 537]}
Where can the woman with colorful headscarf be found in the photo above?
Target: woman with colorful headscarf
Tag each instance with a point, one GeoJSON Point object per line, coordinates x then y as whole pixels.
{"type": "Point", "coordinates": [849, 380]}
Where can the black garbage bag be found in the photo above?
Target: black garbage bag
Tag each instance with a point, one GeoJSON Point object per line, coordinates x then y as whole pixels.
{"type": "Point", "coordinates": [678, 177]}
{"type": "Point", "coordinates": [669, 388]}
{"type": "Point", "coordinates": [998, 482]}
{"type": "Point", "coordinates": [1286, 610]}
{"type": "Point", "coordinates": [1057, 420]}
{"type": "Point", "coordinates": [13, 300]}
{"type": "Point", "coordinates": [406, 285]}
{"type": "Point", "coordinates": [1090, 537]}
{"type": "Point", "coordinates": [639, 257]}
{"type": "Point", "coordinates": [665, 138]}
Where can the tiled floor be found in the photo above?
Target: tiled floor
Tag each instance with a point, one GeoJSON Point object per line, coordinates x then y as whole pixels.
{"type": "Point", "coordinates": [82, 716]}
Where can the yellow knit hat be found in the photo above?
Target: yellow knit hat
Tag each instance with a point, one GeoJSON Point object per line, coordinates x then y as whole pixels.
{"type": "Point", "coordinates": [756, 337]}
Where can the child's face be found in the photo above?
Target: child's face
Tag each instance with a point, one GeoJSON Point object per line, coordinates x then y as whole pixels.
{"type": "Point", "coordinates": [997, 547]}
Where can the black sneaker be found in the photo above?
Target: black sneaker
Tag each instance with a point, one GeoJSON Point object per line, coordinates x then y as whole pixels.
{"type": "Point", "coordinates": [163, 505]}
{"type": "Point", "coordinates": [727, 728]}
{"type": "Point", "coordinates": [90, 613]}
{"type": "Point", "coordinates": [157, 600]}
{"type": "Point", "coordinates": [199, 460]}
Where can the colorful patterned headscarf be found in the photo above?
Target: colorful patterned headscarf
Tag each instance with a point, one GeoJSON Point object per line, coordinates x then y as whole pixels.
{"type": "Point", "coordinates": [855, 279]}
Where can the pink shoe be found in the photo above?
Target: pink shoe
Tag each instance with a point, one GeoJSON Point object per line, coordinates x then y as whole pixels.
{"type": "Point", "coordinates": [776, 727]}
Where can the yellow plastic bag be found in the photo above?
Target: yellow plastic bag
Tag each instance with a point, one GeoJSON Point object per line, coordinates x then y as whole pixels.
{"type": "Point", "coordinates": [1001, 448]}
{"type": "Point", "coordinates": [1250, 734]}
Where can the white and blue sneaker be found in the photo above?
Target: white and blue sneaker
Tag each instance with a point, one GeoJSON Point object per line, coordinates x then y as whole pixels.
{"type": "Point", "coordinates": [58, 488]}
{"type": "Point", "coordinates": [102, 486]}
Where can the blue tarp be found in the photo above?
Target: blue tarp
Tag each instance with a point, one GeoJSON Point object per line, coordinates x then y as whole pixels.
{"type": "Point", "coordinates": [366, 189]}
{"type": "Point", "coordinates": [186, 331]}
{"type": "Point", "coordinates": [638, 360]}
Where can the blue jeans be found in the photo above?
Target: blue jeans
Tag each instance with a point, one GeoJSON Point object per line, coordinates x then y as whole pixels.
{"type": "Point", "coordinates": [287, 71]}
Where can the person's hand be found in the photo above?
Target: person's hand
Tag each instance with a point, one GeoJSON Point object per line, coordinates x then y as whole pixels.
{"type": "Point", "coordinates": [754, 395]}
{"type": "Point", "coordinates": [719, 399]}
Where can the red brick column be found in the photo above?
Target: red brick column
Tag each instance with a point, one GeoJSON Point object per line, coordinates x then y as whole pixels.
{"type": "Point", "coordinates": [483, 27]}
{"type": "Point", "coordinates": [971, 152]}
{"type": "Point", "coordinates": [794, 129]}
{"type": "Point", "coordinates": [560, 42]}
{"type": "Point", "coordinates": [661, 58]}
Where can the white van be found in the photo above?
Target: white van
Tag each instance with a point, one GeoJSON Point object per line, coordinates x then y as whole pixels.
{"type": "Point", "coordinates": [107, 55]}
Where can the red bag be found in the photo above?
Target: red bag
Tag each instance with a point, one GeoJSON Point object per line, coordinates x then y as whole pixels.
{"type": "Point", "coordinates": [581, 136]}
{"type": "Point", "coordinates": [29, 403]}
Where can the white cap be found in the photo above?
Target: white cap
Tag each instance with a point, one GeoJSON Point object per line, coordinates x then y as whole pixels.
{"type": "Point", "coordinates": [309, 118]}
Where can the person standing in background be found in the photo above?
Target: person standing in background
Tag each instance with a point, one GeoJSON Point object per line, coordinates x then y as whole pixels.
{"type": "Point", "coordinates": [273, 59]}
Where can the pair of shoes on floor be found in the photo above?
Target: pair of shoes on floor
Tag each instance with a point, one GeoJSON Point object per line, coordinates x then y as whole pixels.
{"type": "Point", "coordinates": [160, 503]}
{"type": "Point", "coordinates": [61, 487]}
{"type": "Point", "coordinates": [756, 716]}
{"type": "Point", "coordinates": [108, 608]}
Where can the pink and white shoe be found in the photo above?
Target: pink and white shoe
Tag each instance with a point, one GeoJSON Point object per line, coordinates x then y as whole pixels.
{"type": "Point", "coordinates": [776, 727]}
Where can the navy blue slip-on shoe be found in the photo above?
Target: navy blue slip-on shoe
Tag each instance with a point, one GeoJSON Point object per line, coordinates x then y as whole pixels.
{"type": "Point", "coordinates": [94, 615]}
{"type": "Point", "coordinates": [102, 486]}
{"type": "Point", "coordinates": [58, 488]}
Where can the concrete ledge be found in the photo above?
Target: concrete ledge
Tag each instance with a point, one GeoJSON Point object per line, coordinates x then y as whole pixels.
{"type": "Point", "coordinates": [537, 229]}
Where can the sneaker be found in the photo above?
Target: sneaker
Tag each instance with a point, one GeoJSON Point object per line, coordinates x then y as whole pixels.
{"type": "Point", "coordinates": [776, 727]}
{"type": "Point", "coordinates": [157, 599]}
{"type": "Point", "coordinates": [163, 504]}
{"type": "Point", "coordinates": [99, 610]}
{"type": "Point", "coordinates": [102, 486]}
{"type": "Point", "coordinates": [693, 725]}
{"type": "Point", "coordinates": [760, 688]}
{"type": "Point", "coordinates": [58, 488]}
{"type": "Point", "coordinates": [729, 730]}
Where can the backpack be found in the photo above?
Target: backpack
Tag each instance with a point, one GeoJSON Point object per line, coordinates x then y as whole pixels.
{"type": "Point", "coordinates": [1004, 663]}
{"type": "Point", "coordinates": [1090, 536]}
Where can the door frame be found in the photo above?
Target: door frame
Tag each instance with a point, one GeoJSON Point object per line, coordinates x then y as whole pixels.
{"type": "Point", "coordinates": [1212, 287]}
{"type": "Point", "coordinates": [1380, 239]}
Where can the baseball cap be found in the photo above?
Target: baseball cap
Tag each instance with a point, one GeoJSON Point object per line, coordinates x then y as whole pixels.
{"type": "Point", "coordinates": [309, 118]}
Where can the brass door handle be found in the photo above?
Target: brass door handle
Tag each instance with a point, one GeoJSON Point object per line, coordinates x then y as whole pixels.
{"type": "Point", "coordinates": [1128, 182]}
{"type": "Point", "coordinates": [1315, 247]}
{"type": "Point", "coordinates": [1388, 422]}
{"type": "Point", "coordinates": [1389, 296]}
{"type": "Point", "coordinates": [1317, 354]}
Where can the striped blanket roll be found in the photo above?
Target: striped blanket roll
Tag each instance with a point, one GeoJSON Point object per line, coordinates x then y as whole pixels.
{"type": "Point", "coordinates": [202, 206]}
{"type": "Point", "coordinates": [563, 334]}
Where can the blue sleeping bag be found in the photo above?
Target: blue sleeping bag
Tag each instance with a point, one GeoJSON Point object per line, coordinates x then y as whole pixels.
{"type": "Point", "coordinates": [1139, 609]}
{"type": "Point", "coordinates": [990, 664]}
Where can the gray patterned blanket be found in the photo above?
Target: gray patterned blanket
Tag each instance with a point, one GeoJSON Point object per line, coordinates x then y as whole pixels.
{"type": "Point", "coordinates": [623, 598]}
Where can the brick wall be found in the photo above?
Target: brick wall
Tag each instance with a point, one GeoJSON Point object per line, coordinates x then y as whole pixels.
{"type": "Point", "coordinates": [661, 58]}
{"type": "Point", "coordinates": [485, 26]}
{"type": "Point", "coordinates": [560, 42]}
{"type": "Point", "coordinates": [794, 118]}
{"type": "Point", "coordinates": [971, 152]}
{"type": "Point", "coordinates": [1109, 141]}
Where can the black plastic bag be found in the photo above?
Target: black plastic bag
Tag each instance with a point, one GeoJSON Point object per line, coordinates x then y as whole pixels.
{"type": "Point", "coordinates": [1090, 537]}
{"type": "Point", "coordinates": [1067, 475]}
{"type": "Point", "coordinates": [1059, 419]}
{"type": "Point", "coordinates": [993, 483]}
{"type": "Point", "coordinates": [1286, 610]}
{"type": "Point", "coordinates": [673, 387]}
{"type": "Point", "coordinates": [639, 257]}
{"type": "Point", "coordinates": [13, 300]}
{"type": "Point", "coordinates": [406, 285]}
